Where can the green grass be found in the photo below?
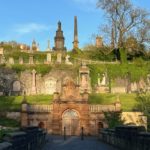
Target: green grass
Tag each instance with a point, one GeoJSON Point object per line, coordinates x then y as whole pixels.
{"type": "Point", "coordinates": [13, 103]}
{"type": "Point", "coordinates": [6, 122]}
{"type": "Point", "coordinates": [128, 101]}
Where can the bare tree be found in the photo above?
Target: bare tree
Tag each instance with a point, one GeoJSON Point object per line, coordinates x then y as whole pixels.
{"type": "Point", "coordinates": [123, 18]}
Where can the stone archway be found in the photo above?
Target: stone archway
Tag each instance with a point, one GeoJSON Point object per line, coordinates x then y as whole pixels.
{"type": "Point", "coordinates": [71, 122]}
{"type": "Point", "coordinates": [100, 126]}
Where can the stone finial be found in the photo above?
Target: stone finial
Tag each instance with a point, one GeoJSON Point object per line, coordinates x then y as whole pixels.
{"type": "Point", "coordinates": [59, 25]}
{"type": "Point", "coordinates": [99, 42]}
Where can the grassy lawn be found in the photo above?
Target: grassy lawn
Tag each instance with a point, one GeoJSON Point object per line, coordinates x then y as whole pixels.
{"type": "Point", "coordinates": [13, 103]}
{"type": "Point", "coordinates": [128, 101]}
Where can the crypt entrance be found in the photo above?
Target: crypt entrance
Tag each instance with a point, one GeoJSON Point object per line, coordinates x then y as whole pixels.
{"type": "Point", "coordinates": [70, 122]}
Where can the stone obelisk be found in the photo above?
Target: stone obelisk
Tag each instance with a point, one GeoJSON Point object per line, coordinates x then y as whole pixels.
{"type": "Point", "coordinates": [75, 42]}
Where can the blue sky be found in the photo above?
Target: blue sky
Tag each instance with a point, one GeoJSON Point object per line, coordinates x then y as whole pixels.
{"type": "Point", "coordinates": [25, 20]}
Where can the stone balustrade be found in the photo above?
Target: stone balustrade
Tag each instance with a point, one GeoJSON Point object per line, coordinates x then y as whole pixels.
{"type": "Point", "coordinates": [104, 108]}
{"type": "Point", "coordinates": [40, 108]}
{"type": "Point", "coordinates": [127, 137]}
{"type": "Point", "coordinates": [29, 138]}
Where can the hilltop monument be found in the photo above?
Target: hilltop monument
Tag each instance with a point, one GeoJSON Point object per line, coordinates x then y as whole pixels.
{"type": "Point", "coordinates": [59, 39]}
{"type": "Point", "coordinates": [75, 42]}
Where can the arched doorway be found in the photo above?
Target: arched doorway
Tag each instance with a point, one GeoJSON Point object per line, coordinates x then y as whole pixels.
{"type": "Point", "coordinates": [100, 126]}
{"type": "Point", "coordinates": [70, 120]}
{"type": "Point", "coordinates": [41, 125]}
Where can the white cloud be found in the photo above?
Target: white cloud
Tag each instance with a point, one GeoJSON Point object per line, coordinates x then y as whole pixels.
{"type": "Point", "coordinates": [30, 27]}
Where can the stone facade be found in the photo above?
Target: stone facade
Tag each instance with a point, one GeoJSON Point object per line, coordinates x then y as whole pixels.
{"type": "Point", "coordinates": [70, 112]}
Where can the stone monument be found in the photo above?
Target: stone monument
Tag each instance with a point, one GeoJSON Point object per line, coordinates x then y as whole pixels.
{"type": "Point", "coordinates": [67, 60]}
{"type": "Point", "coordinates": [48, 46]}
{"type": "Point", "coordinates": [34, 81]}
{"type": "Point", "coordinates": [31, 60]}
{"type": "Point", "coordinates": [59, 58]}
{"type": "Point", "coordinates": [84, 78]}
{"type": "Point", "coordinates": [75, 42]}
{"type": "Point", "coordinates": [11, 60]}
{"type": "Point", "coordinates": [99, 42]}
{"type": "Point", "coordinates": [59, 39]}
{"type": "Point", "coordinates": [49, 57]}
{"type": "Point", "coordinates": [21, 60]}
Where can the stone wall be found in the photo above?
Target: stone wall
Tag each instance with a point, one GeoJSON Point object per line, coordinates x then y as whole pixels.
{"type": "Point", "coordinates": [48, 84]}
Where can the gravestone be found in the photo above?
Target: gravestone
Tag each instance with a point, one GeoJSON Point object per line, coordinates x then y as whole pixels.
{"type": "Point", "coordinates": [59, 57]}
{"type": "Point", "coordinates": [31, 61]}
{"type": "Point", "coordinates": [21, 60]}
{"type": "Point", "coordinates": [1, 51]}
{"type": "Point", "coordinates": [16, 86]}
{"type": "Point", "coordinates": [84, 78]}
{"type": "Point", "coordinates": [2, 58]}
{"type": "Point", "coordinates": [49, 58]}
{"type": "Point", "coordinates": [33, 81]}
{"type": "Point", "coordinates": [103, 82]}
{"type": "Point", "coordinates": [11, 60]}
{"type": "Point", "coordinates": [50, 85]}
{"type": "Point", "coordinates": [67, 61]}
{"type": "Point", "coordinates": [99, 80]}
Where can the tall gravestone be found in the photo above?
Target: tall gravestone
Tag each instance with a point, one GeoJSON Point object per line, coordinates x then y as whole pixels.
{"type": "Point", "coordinates": [59, 58]}
{"type": "Point", "coordinates": [34, 81]}
{"type": "Point", "coordinates": [67, 61]}
{"type": "Point", "coordinates": [1, 55]}
{"type": "Point", "coordinates": [21, 60]}
{"type": "Point", "coordinates": [49, 58]}
{"type": "Point", "coordinates": [31, 60]}
{"type": "Point", "coordinates": [84, 78]}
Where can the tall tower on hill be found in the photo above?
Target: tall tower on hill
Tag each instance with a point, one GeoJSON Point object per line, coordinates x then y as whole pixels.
{"type": "Point", "coordinates": [59, 39]}
{"type": "Point", "coordinates": [75, 42]}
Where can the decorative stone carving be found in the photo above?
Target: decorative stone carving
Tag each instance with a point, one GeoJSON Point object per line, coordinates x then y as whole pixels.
{"type": "Point", "coordinates": [70, 91]}
{"type": "Point", "coordinates": [50, 85]}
